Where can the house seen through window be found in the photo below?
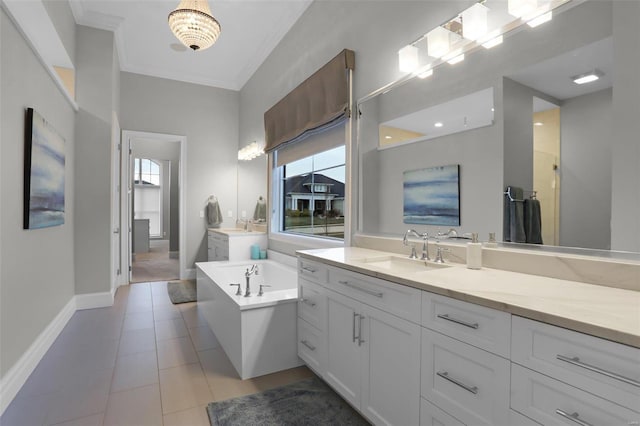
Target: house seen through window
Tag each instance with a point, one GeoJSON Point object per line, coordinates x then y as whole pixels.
{"type": "Point", "coordinates": [313, 191]}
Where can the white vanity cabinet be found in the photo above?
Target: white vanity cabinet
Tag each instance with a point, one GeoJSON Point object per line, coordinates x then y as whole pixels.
{"type": "Point", "coordinates": [232, 244]}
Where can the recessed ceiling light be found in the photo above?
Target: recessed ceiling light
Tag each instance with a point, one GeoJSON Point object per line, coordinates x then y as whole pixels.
{"type": "Point", "coordinates": [493, 109]}
{"type": "Point", "coordinates": [438, 124]}
{"type": "Point", "coordinates": [546, 17]}
{"type": "Point", "coordinates": [387, 137]}
{"type": "Point", "coordinates": [588, 77]}
{"type": "Point", "coordinates": [537, 123]}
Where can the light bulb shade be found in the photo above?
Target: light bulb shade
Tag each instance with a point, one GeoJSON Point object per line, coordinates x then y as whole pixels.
{"type": "Point", "coordinates": [408, 58]}
{"type": "Point", "coordinates": [522, 8]}
{"type": "Point", "coordinates": [474, 22]}
{"type": "Point", "coordinates": [193, 24]}
{"type": "Point", "coordinates": [438, 42]}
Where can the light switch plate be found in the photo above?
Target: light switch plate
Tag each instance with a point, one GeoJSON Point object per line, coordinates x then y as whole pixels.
{"type": "Point", "coordinates": [244, 214]}
{"type": "Point", "coordinates": [201, 213]}
{"type": "Point", "coordinates": [230, 213]}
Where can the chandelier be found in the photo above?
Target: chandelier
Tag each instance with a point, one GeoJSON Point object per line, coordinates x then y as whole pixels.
{"type": "Point", "coordinates": [193, 24]}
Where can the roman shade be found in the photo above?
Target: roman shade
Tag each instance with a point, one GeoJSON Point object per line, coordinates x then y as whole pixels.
{"type": "Point", "coordinates": [321, 100]}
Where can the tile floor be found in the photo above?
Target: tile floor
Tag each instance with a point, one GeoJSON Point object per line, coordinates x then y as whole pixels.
{"type": "Point", "coordinates": [143, 361]}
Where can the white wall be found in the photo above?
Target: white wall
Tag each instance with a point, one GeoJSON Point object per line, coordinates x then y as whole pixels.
{"type": "Point", "coordinates": [208, 117]}
{"type": "Point", "coordinates": [37, 266]}
{"type": "Point", "coordinates": [585, 171]}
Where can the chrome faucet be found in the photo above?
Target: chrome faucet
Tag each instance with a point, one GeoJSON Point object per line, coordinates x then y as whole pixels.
{"type": "Point", "coordinates": [425, 244]}
{"type": "Point", "coordinates": [247, 276]}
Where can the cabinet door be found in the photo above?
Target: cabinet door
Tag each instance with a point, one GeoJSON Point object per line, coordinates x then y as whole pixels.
{"type": "Point", "coordinates": [343, 353]}
{"type": "Point", "coordinates": [390, 367]}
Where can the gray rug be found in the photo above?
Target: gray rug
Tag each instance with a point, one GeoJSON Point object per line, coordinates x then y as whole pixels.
{"type": "Point", "coordinates": [182, 291]}
{"type": "Point", "coordinates": [308, 402]}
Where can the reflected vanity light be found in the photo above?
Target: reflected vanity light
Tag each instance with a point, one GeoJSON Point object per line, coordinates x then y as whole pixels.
{"type": "Point", "coordinates": [438, 43]}
{"type": "Point", "coordinates": [587, 77]}
{"type": "Point", "coordinates": [539, 20]}
{"type": "Point", "coordinates": [251, 151]}
{"type": "Point", "coordinates": [455, 59]}
{"type": "Point", "coordinates": [408, 58]}
{"type": "Point", "coordinates": [538, 123]}
{"type": "Point", "coordinates": [425, 73]}
{"type": "Point", "coordinates": [521, 8]}
{"type": "Point", "coordinates": [438, 124]}
{"type": "Point", "coordinates": [474, 22]}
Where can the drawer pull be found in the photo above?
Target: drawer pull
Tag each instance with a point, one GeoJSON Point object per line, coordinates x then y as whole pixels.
{"type": "Point", "coordinates": [353, 330]}
{"type": "Point", "coordinates": [576, 361]}
{"type": "Point", "coordinates": [445, 375]}
{"type": "Point", "coordinates": [308, 302]}
{"type": "Point", "coordinates": [360, 341]}
{"type": "Point", "coordinates": [308, 345]}
{"type": "Point", "coordinates": [364, 290]}
{"type": "Point", "coordinates": [309, 269]}
{"type": "Point", "coordinates": [575, 417]}
{"type": "Point", "coordinates": [458, 321]}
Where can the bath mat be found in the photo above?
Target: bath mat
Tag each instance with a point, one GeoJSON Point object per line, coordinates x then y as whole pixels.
{"type": "Point", "coordinates": [182, 291]}
{"type": "Point", "coordinates": [308, 402]}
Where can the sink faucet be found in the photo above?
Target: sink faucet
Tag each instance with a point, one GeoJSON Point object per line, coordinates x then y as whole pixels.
{"type": "Point", "coordinates": [247, 276]}
{"type": "Point", "coordinates": [425, 244]}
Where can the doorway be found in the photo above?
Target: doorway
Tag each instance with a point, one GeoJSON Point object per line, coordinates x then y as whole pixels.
{"type": "Point", "coordinates": [155, 206]}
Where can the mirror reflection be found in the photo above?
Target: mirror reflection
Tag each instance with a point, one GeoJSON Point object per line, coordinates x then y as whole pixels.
{"type": "Point", "coordinates": [557, 92]}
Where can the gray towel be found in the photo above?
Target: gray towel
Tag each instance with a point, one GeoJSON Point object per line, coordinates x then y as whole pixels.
{"type": "Point", "coordinates": [532, 221]}
{"type": "Point", "coordinates": [214, 216]}
{"type": "Point", "coordinates": [514, 217]}
{"type": "Point", "coordinates": [260, 212]}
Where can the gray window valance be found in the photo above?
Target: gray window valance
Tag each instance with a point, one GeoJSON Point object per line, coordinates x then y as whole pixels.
{"type": "Point", "coordinates": [320, 100]}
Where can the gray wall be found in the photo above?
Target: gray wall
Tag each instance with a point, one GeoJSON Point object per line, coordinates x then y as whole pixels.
{"type": "Point", "coordinates": [95, 85]}
{"type": "Point", "coordinates": [585, 171]}
{"type": "Point", "coordinates": [65, 25]}
{"type": "Point", "coordinates": [625, 215]}
{"type": "Point", "coordinates": [37, 266]}
{"type": "Point", "coordinates": [170, 151]}
{"type": "Point", "coordinates": [208, 117]}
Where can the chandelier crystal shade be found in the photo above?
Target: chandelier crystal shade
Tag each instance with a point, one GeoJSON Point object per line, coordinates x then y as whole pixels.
{"type": "Point", "coordinates": [193, 24]}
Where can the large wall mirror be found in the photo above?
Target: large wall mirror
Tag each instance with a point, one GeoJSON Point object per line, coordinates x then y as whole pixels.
{"type": "Point", "coordinates": [518, 118]}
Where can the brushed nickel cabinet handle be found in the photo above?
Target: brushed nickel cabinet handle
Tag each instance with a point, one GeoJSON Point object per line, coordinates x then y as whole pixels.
{"type": "Point", "coordinates": [308, 345]}
{"type": "Point", "coordinates": [575, 417]}
{"type": "Point", "coordinates": [445, 375]}
{"type": "Point", "coordinates": [576, 361]}
{"type": "Point", "coordinates": [308, 269]}
{"type": "Point", "coordinates": [353, 329]}
{"type": "Point", "coordinates": [474, 325]}
{"type": "Point", "coordinates": [364, 290]}
{"type": "Point", "coordinates": [308, 302]}
{"type": "Point", "coordinates": [360, 341]}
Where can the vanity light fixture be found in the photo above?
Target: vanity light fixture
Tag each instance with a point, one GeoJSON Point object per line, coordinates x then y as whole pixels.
{"type": "Point", "coordinates": [438, 42]}
{"type": "Point", "coordinates": [193, 24]}
{"type": "Point", "coordinates": [408, 58]}
{"type": "Point", "coordinates": [493, 42]}
{"type": "Point", "coordinates": [251, 151]}
{"type": "Point", "coordinates": [474, 22]}
{"type": "Point", "coordinates": [522, 8]}
{"type": "Point", "coordinates": [587, 77]}
{"type": "Point", "coordinates": [438, 124]}
{"type": "Point", "coordinates": [426, 73]}
{"type": "Point", "coordinates": [456, 59]}
{"type": "Point", "coordinates": [539, 20]}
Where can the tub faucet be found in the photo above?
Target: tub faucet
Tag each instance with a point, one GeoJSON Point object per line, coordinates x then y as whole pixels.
{"type": "Point", "coordinates": [247, 276]}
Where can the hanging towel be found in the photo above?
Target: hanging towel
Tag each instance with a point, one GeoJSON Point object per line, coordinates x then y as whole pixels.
{"type": "Point", "coordinates": [260, 212]}
{"type": "Point", "coordinates": [532, 221]}
{"type": "Point", "coordinates": [514, 216]}
{"type": "Point", "coordinates": [214, 216]}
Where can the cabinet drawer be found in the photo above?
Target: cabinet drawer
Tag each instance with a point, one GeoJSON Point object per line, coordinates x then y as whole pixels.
{"type": "Point", "coordinates": [463, 380]}
{"type": "Point", "coordinates": [396, 299]}
{"type": "Point", "coordinates": [312, 303]}
{"type": "Point", "coordinates": [604, 368]}
{"type": "Point", "coordinates": [311, 346]}
{"type": "Point", "coordinates": [483, 327]}
{"type": "Point", "coordinates": [551, 402]}
{"type": "Point", "coordinates": [430, 415]}
{"type": "Point", "coordinates": [313, 271]}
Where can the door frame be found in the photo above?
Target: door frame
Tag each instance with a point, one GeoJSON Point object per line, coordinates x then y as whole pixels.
{"type": "Point", "coordinates": [127, 136]}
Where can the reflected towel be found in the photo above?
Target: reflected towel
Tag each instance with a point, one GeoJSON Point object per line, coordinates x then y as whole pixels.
{"type": "Point", "coordinates": [532, 221]}
{"type": "Point", "coordinates": [260, 212]}
{"type": "Point", "coordinates": [514, 217]}
{"type": "Point", "coordinates": [214, 216]}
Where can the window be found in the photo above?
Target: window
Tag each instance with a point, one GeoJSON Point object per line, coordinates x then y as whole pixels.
{"type": "Point", "coordinates": [148, 194]}
{"type": "Point", "coordinates": [312, 191]}
{"type": "Point", "coordinates": [146, 172]}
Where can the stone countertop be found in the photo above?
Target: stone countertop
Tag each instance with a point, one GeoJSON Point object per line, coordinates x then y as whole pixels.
{"type": "Point", "coordinates": [605, 312]}
{"type": "Point", "coordinates": [233, 232]}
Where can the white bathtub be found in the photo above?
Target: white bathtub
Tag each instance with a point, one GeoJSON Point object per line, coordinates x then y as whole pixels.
{"type": "Point", "coordinates": [258, 333]}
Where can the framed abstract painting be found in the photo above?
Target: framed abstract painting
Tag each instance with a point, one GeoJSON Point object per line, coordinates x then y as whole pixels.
{"type": "Point", "coordinates": [432, 196]}
{"type": "Point", "coordinates": [44, 166]}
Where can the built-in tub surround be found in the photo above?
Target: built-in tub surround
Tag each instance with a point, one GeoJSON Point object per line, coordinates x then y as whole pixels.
{"type": "Point", "coordinates": [609, 313]}
{"type": "Point", "coordinates": [605, 271]}
{"type": "Point", "coordinates": [258, 333]}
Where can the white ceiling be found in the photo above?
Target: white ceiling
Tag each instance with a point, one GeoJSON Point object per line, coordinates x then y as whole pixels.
{"type": "Point", "coordinates": [251, 29]}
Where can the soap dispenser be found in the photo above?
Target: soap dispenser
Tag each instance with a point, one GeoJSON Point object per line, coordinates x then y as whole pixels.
{"type": "Point", "coordinates": [474, 253]}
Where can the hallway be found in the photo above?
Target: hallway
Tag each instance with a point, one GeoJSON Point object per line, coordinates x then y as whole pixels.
{"type": "Point", "coordinates": [155, 265]}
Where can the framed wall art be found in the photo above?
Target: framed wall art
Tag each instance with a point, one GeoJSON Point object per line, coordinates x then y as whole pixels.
{"type": "Point", "coordinates": [432, 196]}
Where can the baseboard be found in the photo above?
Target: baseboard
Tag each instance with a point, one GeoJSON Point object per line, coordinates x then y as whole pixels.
{"type": "Point", "coordinates": [15, 378]}
{"type": "Point", "coordinates": [95, 300]}
{"type": "Point", "coordinates": [174, 255]}
{"type": "Point", "coordinates": [190, 274]}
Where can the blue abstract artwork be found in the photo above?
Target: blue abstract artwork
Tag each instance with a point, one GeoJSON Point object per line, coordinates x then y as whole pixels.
{"type": "Point", "coordinates": [43, 173]}
{"type": "Point", "coordinates": [432, 196]}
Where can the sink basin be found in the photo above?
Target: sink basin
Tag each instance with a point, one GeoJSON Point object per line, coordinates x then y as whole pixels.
{"type": "Point", "coordinates": [399, 264]}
